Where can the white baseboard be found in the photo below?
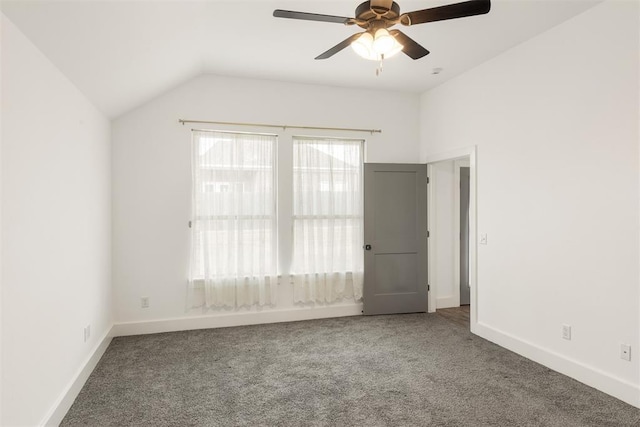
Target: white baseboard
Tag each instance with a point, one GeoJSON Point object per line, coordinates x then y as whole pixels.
{"type": "Point", "coordinates": [61, 407]}
{"type": "Point", "coordinates": [616, 387]}
{"type": "Point", "coordinates": [63, 403]}
{"type": "Point", "coordinates": [447, 302]}
{"type": "Point", "coordinates": [235, 319]}
{"type": "Point", "coordinates": [589, 375]}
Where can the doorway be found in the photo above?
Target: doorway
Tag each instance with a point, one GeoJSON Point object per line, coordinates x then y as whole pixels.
{"type": "Point", "coordinates": [451, 223]}
{"type": "Point", "coordinates": [437, 264]}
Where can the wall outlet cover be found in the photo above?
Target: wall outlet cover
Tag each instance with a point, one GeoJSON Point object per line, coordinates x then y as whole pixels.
{"type": "Point", "coordinates": [625, 352]}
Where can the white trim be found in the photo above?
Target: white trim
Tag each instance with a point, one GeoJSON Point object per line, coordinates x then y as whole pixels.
{"type": "Point", "coordinates": [235, 319]}
{"type": "Point", "coordinates": [448, 301]}
{"type": "Point", "coordinates": [65, 400]}
{"type": "Point", "coordinates": [452, 155]}
{"type": "Point", "coordinates": [589, 375]}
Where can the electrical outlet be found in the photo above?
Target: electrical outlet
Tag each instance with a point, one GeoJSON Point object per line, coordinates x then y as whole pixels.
{"type": "Point", "coordinates": [566, 332]}
{"type": "Point", "coordinates": [144, 302]}
{"type": "Point", "coordinates": [625, 352]}
{"type": "Point", "coordinates": [483, 239]}
{"type": "Point", "coordinates": [87, 333]}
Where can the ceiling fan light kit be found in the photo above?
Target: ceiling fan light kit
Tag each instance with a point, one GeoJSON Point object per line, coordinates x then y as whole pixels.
{"type": "Point", "coordinates": [378, 47]}
{"type": "Point", "coordinates": [377, 42]}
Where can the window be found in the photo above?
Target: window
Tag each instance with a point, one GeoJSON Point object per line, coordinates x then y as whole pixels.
{"type": "Point", "coordinates": [234, 229]}
{"type": "Point", "coordinates": [327, 219]}
{"type": "Point", "coordinates": [236, 242]}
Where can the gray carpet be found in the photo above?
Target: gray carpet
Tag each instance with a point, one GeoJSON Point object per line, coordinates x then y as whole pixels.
{"type": "Point", "coordinates": [401, 370]}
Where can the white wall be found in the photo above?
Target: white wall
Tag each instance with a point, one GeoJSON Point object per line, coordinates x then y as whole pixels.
{"type": "Point", "coordinates": [55, 231]}
{"type": "Point", "coordinates": [556, 124]}
{"type": "Point", "coordinates": [1, 287]}
{"type": "Point", "coordinates": [151, 171]}
{"type": "Point", "coordinates": [442, 275]}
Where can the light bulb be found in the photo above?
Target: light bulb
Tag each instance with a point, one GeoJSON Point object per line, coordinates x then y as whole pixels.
{"type": "Point", "coordinates": [363, 46]}
{"type": "Point", "coordinates": [383, 42]}
{"type": "Point", "coordinates": [397, 47]}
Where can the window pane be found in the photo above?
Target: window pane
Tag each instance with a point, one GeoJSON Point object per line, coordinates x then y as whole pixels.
{"type": "Point", "coordinates": [332, 243]}
{"type": "Point", "coordinates": [327, 173]}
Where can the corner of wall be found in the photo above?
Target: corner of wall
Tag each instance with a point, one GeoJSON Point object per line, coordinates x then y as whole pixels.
{"type": "Point", "coordinates": [62, 405]}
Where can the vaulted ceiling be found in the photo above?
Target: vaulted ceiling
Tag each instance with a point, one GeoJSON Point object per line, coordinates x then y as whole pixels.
{"type": "Point", "coordinates": [120, 54]}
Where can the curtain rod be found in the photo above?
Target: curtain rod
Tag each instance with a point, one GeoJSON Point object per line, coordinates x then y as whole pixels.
{"type": "Point", "coordinates": [284, 127]}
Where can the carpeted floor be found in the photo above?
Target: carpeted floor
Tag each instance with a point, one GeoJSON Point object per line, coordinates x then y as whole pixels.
{"type": "Point", "coordinates": [400, 370]}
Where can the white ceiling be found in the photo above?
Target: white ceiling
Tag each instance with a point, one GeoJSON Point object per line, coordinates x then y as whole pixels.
{"type": "Point", "coordinates": [122, 53]}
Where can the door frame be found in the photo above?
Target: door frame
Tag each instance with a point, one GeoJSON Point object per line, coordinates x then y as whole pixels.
{"type": "Point", "coordinates": [471, 153]}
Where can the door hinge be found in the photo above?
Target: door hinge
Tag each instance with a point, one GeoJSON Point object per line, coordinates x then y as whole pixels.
{"type": "Point", "coordinates": [190, 224]}
{"type": "Point", "coordinates": [427, 180]}
{"type": "Point", "coordinates": [428, 287]}
{"type": "Point", "coordinates": [428, 234]}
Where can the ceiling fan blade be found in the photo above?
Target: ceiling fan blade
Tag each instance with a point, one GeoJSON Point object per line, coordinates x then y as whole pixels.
{"type": "Point", "coordinates": [279, 13]}
{"type": "Point", "coordinates": [411, 48]}
{"type": "Point", "coordinates": [337, 48]}
{"type": "Point", "coordinates": [450, 11]}
{"type": "Point", "coordinates": [381, 4]}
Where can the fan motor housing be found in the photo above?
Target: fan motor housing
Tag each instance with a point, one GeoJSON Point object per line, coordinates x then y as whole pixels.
{"type": "Point", "coordinates": [365, 13]}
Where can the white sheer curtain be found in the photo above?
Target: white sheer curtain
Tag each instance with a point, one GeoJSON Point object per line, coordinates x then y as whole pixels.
{"type": "Point", "coordinates": [233, 252]}
{"type": "Point", "coordinates": [327, 219]}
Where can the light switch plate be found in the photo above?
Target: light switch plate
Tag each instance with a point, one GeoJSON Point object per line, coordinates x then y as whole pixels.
{"type": "Point", "coordinates": [566, 332]}
{"type": "Point", "coordinates": [483, 238]}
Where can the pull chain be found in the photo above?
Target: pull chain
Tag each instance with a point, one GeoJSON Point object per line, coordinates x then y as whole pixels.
{"type": "Point", "coordinates": [379, 69]}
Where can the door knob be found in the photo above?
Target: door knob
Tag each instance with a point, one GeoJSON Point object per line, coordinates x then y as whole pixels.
{"type": "Point", "coordinates": [367, 247]}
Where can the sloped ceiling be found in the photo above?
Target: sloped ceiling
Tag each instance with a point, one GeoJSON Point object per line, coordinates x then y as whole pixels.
{"type": "Point", "coordinates": [120, 54]}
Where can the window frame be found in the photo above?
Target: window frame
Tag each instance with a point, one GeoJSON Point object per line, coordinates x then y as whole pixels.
{"type": "Point", "coordinates": [283, 201]}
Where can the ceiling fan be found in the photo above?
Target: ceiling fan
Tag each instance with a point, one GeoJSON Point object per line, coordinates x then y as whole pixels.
{"type": "Point", "coordinates": [377, 16]}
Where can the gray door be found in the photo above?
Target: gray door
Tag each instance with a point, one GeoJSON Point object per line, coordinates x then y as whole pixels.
{"type": "Point", "coordinates": [395, 224]}
{"type": "Point", "coordinates": [465, 291]}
